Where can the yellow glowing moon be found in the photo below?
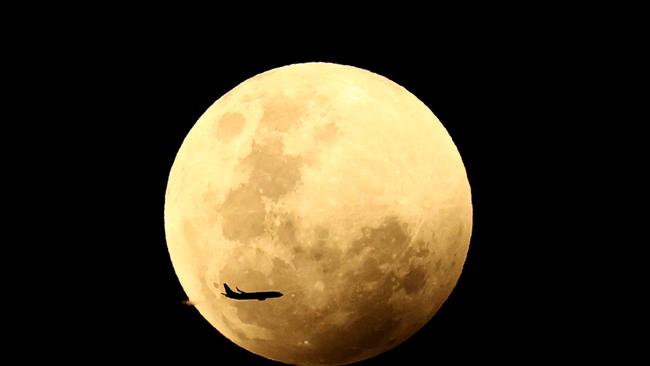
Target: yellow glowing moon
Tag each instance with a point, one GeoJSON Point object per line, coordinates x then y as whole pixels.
{"type": "Point", "coordinates": [332, 185]}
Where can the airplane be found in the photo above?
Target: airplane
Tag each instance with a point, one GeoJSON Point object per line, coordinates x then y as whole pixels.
{"type": "Point", "coordinates": [241, 295]}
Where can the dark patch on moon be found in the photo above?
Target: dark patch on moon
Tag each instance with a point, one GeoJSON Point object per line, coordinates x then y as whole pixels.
{"type": "Point", "coordinates": [287, 234]}
{"type": "Point", "coordinates": [369, 271]}
{"type": "Point", "coordinates": [420, 249]}
{"type": "Point", "coordinates": [281, 112]}
{"type": "Point", "coordinates": [322, 233]}
{"type": "Point", "coordinates": [273, 172]}
{"type": "Point", "coordinates": [229, 126]}
{"type": "Point", "coordinates": [415, 280]}
{"type": "Point", "coordinates": [325, 256]}
{"type": "Point", "coordinates": [390, 237]}
{"type": "Point", "coordinates": [317, 253]}
{"type": "Point", "coordinates": [272, 175]}
{"type": "Point", "coordinates": [243, 214]}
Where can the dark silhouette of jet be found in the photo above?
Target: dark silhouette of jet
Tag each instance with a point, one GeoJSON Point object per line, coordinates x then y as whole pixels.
{"type": "Point", "coordinates": [241, 295]}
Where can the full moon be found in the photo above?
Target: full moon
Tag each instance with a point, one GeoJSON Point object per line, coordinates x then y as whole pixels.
{"type": "Point", "coordinates": [332, 185]}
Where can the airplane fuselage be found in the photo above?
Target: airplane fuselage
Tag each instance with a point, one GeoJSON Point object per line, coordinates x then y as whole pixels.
{"type": "Point", "coordinates": [261, 296]}
{"type": "Point", "coordinates": [242, 295]}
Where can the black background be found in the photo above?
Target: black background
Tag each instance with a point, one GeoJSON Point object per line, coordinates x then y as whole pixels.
{"type": "Point", "coordinates": [506, 96]}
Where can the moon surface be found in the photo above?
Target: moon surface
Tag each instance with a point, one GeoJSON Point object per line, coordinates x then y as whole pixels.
{"type": "Point", "coordinates": [332, 185]}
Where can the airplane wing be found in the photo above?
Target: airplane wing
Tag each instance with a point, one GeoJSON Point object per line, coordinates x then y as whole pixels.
{"type": "Point", "coordinates": [243, 292]}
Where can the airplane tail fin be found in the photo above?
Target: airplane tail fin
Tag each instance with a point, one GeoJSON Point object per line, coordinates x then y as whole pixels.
{"type": "Point", "coordinates": [228, 290]}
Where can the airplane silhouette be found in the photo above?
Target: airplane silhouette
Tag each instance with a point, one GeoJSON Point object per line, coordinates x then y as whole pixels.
{"type": "Point", "coordinates": [241, 295]}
